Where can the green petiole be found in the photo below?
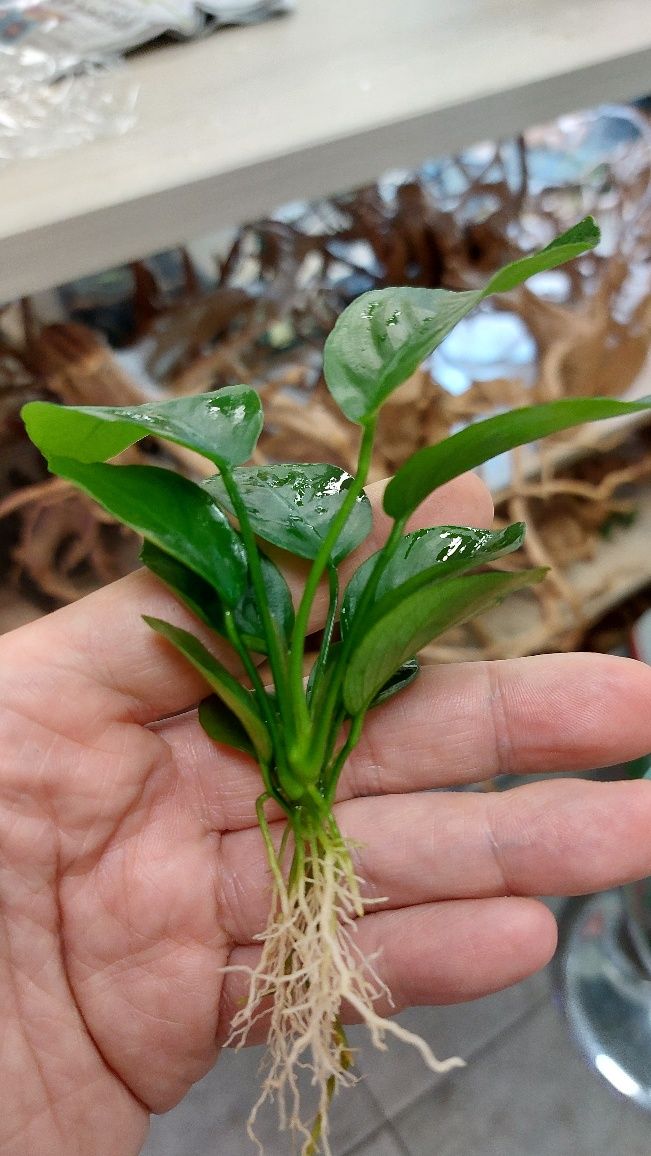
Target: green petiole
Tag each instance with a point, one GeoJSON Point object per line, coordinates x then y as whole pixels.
{"type": "Point", "coordinates": [315, 574]}
{"type": "Point", "coordinates": [277, 659]}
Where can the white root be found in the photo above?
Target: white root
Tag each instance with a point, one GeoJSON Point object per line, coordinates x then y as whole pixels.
{"type": "Point", "coordinates": [311, 965]}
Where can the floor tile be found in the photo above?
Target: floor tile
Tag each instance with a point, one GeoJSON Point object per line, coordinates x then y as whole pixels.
{"type": "Point", "coordinates": [398, 1076]}
{"type": "Point", "coordinates": [382, 1143]}
{"type": "Point", "coordinates": [211, 1120]}
{"type": "Point", "coordinates": [528, 1094]}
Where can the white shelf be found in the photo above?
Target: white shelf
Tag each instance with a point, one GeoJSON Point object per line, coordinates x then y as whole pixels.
{"type": "Point", "coordinates": [314, 103]}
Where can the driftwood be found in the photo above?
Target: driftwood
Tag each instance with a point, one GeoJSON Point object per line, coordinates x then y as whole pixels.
{"type": "Point", "coordinates": [275, 296]}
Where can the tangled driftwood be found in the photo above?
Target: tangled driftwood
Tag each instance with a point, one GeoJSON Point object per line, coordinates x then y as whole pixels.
{"type": "Point", "coordinates": [275, 297]}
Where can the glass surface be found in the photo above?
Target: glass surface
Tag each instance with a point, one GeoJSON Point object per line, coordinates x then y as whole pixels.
{"type": "Point", "coordinates": [603, 977]}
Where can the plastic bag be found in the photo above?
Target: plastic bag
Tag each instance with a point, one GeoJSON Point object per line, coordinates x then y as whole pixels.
{"type": "Point", "coordinates": [61, 80]}
{"type": "Point", "coordinates": [61, 83]}
{"type": "Point", "coordinates": [42, 41]}
{"type": "Point", "coordinates": [245, 11]}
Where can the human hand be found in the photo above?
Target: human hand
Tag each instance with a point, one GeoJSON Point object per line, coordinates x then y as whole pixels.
{"type": "Point", "coordinates": [132, 871]}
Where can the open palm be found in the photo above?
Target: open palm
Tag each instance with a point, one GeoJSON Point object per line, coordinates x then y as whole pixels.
{"type": "Point", "coordinates": [131, 869]}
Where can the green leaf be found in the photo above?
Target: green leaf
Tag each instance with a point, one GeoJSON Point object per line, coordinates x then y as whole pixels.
{"type": "Point", "coordinates": [170, 511]}
{"type": "Point", "coordinates": [222, 725]}
{"type": "Point", "coordinates": [320, 679]}
{"type": "Point", "coordinates": [579, 239]}
{"type": "Point", "coordinates": [222, 426]}
{"type": "Point", "coordinates": [281, 608]}
{"type": "Point", "coordinates": [401, 625]}
{"type": "Point", "coordinates": [197, 594]}
{"type": "Point", "coordinates": [293, 506]}
{"type": "Point", "coordinates": [239, 701]}
{"type": "Point", "coordinates": [431, 467]}
{"type": "Point", "coordinates": [203, 601]}
{"type": "Point", "coordinates": [428, 556]}
{"type": "Point", "coordinates": [383, 336]}
{"type": "Point", "coordinates": [398, 681]}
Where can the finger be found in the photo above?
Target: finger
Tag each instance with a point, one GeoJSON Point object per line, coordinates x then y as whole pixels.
{"type": "Point", "coordinates": [551, 838]}
{"type": "Point", "coordinates": [564, 837]}
{"type": "Point", "coordinates": [437, 953]}
{"type": "Point", "coordinates": [102, 641]}
{"type": "Point", "coordinates": [468, 722]}
{"type": "Point", "coordinates": [459, 724]}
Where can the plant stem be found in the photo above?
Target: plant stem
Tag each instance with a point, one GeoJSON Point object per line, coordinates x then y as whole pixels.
{"type": "Point", "coordinates": [277, 660]}
{"type": "Point", "coordinates": [324, 649]}
{"type": "Point", "coordinates": [274, 863]}
{"type": "Point", "coordinates": [299, 633]}
{"type": "Point", "coordinates": [275, 788]}
{"type": "Point", "coordinates": [352, 739]}
{"type": "Point", "coordinates": [329, 711]}
{"type": "Point", "coordinates": [236, 641]}
{"type": "Point", "coordinates": [384, 557]}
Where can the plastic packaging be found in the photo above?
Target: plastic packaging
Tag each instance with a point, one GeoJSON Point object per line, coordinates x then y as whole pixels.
{"type": "Point", "coordinates": [245, 11]}
{"type": "Point", "coordinates": [61, 79]}
{"type": "Point", "coordinates": [61, 82]}
{"type": "Point", "coordinates": [97, 99]}
{"type": "Point", "coordinates": [40, 42]}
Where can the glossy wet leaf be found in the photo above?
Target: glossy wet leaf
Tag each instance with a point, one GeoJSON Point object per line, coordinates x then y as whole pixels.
{"type": "Point", "coordinates": [238, 700]}
{"type": "Point", "coordinates": [383, 336]}
{"type": "Point", "coordinates": [197, 594]}
{"type": "Point", "coordinates": [170, 511]}
{"type": "Point", "coordinates": [431, 467]}
{"type": "Point", "coordinates": [429, 555]}
{"type": "Point", "coordinates": [222, 426]}
{"type": "Point", "coordinates": [293, 506]}
{"type": "Point", "coordinates": [203, 600]}
{"type": "Point", "coordinates": [401, 625]}
{"type": "Point", "coordinates": [281, 608]}
{"type": "Point", "coordinates": [222, 725]}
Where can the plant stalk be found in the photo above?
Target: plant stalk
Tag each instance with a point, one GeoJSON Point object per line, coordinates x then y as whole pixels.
{"type": "Point", "coordinates": [277, 660]}
{"type": "Point", "coordinates": [323, 739]}
{"type": "Point", "coordinates": [299, 633]}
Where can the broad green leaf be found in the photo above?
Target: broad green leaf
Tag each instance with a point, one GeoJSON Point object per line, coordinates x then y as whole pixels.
{"type": "Point", "coordinates": [431, 467]}
{"type": "Point", "coordinates": [222, 725]}
{"type": "Point", "coordinates": [170, 511]}
{"type": "Point", "coordinates": [401, 625]}
{"type": "Point", "coordinates": [202, 599]}
{"type": "Point", "coordinates": [429, 555]}
{"type": "Point", "coordinates": [383, 336]}
{"type": "Point", "coordinates": [398, 681]}
{"type": "Point", "coordinates": [222, 426]}
{"type": "Point", "coordinates": [293, 506]}
{"type": "Point", "coordinates": [238, 700]}
{"type": "Point", "coordinates": [197, 594]}
{"type": "Point", "coordinates": [281, 607]}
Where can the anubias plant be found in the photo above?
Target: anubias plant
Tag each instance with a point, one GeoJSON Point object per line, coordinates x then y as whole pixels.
{"type": "Point", "coordinates": [207, 543]}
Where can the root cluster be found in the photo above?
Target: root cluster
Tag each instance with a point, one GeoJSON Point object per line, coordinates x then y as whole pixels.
{"type": "Point", "coordinates": [310, 970]}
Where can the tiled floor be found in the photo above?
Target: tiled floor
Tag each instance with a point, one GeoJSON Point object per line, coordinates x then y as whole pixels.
{"type": "Point", "coordinates": [525, 1092]}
